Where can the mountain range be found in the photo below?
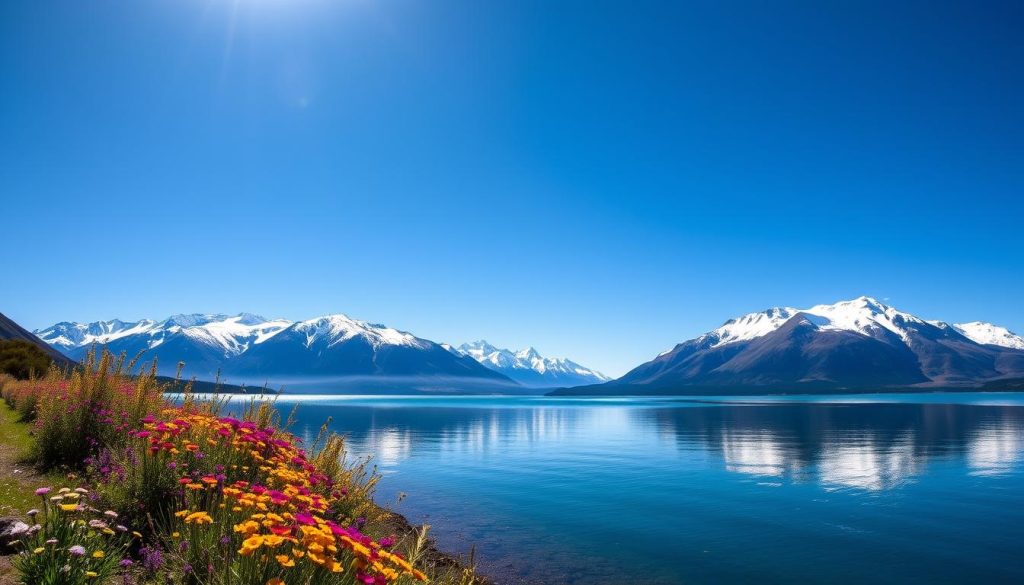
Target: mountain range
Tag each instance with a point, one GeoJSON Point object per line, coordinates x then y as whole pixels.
{"type": "Point", "coordinates": [528, 367]}
{"type": "Point", "coordinates": [332, 352]}
{"type": "Point", "coordinates": [855, 345]}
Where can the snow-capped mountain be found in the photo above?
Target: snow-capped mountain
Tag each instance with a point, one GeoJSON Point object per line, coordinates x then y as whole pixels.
{"type": "Point", "coordinates": [989, 334]}
{"type": "Point", "coordinates": [528, 367]}
{"type": "Point", "coordinates": [856, 344]}
{"type": "Point", "coordinates": [203, 341]}
{"type": "Point", "coordinates": [250, 348]}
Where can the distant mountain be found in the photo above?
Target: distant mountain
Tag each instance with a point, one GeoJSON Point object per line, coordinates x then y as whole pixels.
{"type": "Point", "coordinates": [860, 344]}
{"type": "Point", "coordinates": [528, 367]}
{"type": "Point", "coordinates": [245, 348]}
{"type": "Point", "coordinates": [204, 342]}
{"type": "Point", "coordinates": [989, 334]}
{"type": "Point", "coordinates": [11, 330]}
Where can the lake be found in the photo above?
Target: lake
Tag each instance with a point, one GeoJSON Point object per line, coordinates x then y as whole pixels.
{"type": "Point", "coordinates": [925, 488]}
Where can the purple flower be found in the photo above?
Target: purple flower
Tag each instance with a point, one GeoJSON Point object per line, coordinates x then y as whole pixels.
{"type": "Point", "coordinates": [42, 491]}
{"type": "Point", "coordinates": [152, 558]}
{"type": "Point", "coordinates": [126, 562]}
{"type": "Point", "coordinates": [77, 550]}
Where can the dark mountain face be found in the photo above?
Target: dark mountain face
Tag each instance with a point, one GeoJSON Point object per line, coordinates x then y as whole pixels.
{"type": "Point", "coordinates": [803, 355]}
{"type": "Point", "coordinates": [800, 353]}
{"type": "Point", "coordinates": [319, 353]}
{"type": "Point", "coordinates": [11, 330]}
{"type": "Point", "coordinates": [200, 360]}
{"type": "Point", "coordinates": [287, 354]}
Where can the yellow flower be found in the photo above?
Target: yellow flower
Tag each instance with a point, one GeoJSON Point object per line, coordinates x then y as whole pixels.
{"type": "Point", "coordinates": [272, 540]}
{"type": "Point", "coordinates": [247, 527]}
{"type": "Point", "coordinates": [38, 551]}
{"type": "Point", "coordinates": [285, 560]}
{"type": "Point", "coordinates": [136, 534]}
{"type": "Point", "coordinates": [175, 535]}
{"type": "Point", "coordinates": [181, 513]}
{"type": "Point", "coordinates": [69, 507]}
{"type": "Point", "coordinates": [199, 518]}
{"type": "Point", "coordinates": [91, 574]}
{"type": "Point", "coordinates": [99, 554]}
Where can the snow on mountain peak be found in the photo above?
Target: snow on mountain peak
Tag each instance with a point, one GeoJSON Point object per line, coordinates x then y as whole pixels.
{"type": "Point", "coordinates": [864, 315]}
{"type": "Point", "coordinates": [527, 361]}
{"type": "Point", "coordinates": [338, 328]}
{"type": "Point", "coordinates": [989, 334]}
{"type": "Point", "coordinates": [750, 326]}
{"type": "Point", "coordinates": [232, 335]}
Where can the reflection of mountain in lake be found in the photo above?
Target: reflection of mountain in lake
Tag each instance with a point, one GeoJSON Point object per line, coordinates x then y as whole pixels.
{"type": "Point", "coordinates": [867, 446]}
{"type": "Point", "coordinates": [571, 491]}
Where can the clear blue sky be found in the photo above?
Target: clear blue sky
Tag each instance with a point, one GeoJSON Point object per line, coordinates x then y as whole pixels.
{"type": "Point", "coordinates": [599, 180]}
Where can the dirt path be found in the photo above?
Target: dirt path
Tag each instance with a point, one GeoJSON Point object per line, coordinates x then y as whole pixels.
{"type": "Point", "coordinates": [18, 480]}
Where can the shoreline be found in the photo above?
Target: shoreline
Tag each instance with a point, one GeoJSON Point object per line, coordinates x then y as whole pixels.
{"type": "Point", "coordinates": [433, 557]}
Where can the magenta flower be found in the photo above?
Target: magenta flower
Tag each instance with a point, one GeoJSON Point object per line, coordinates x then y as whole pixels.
{"type": "Point", "coordinates": [42, 491]}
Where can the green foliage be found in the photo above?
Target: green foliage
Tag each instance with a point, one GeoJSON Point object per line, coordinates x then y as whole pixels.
{"type": "Point", "coordinates": [23, 359]}
{"type": "Point", "coordinates": [74, 544]}
{"type": "Point", "coordinates": [190, 479]}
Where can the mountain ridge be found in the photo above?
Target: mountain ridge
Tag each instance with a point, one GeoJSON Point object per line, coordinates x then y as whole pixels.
{"type": "Point", "coordinates": [853, 345]}
{"type": "Point", "coordinates": [528, 367]}
{"type": "Point", "coordinates": [252, 349]}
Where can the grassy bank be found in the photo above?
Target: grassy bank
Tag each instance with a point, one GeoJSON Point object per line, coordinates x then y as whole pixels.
{"type": "Point", "coordinates": [183, 494]}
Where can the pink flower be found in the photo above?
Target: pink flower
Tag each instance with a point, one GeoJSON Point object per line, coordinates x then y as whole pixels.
{"type": "Point", "coordinates": [42, 491]}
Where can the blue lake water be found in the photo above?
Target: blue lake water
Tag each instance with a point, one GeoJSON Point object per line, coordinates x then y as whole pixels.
{"type": "Point", "coordinates": [924, 488]}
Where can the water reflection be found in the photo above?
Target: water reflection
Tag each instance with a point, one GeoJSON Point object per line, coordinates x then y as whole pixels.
{"type": "Point", "coordinates": [594, 492]}
{"type": "Point", "coordinates": [865, 446]}
{"type": "Point", "coordinates": [862, 446]}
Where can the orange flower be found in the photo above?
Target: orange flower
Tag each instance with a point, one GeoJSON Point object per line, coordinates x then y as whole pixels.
{"type": "Point", "coordinates": [285, 560]}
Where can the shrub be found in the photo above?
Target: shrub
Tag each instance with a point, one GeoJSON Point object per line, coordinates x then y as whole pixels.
{"type": "Point", "coordinates": [221, 499]}
{"type": "Point", "coordinates": [75, 544]}
{"type": "Point", "coordinates": [23, 359]}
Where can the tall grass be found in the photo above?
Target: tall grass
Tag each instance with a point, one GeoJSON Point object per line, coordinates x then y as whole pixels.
{"type": "Point", "coordinates": [219, 499]}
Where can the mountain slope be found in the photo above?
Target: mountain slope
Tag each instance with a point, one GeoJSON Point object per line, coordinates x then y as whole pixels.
{"type": "Point", "coordinates": [850, 345]}
{"type": "Point", "coordinates": [528, 367]}
{"type": "Point", "coordinates": [247, 348]}
{"type": "Point", "coordinates": [203, 342]}
{"type": "Point", "coordinates": [11, 330]}
{"type": "Point", "coordinates": [989, 334]}
{"type": "Point", "coordinates": [336, 345]}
